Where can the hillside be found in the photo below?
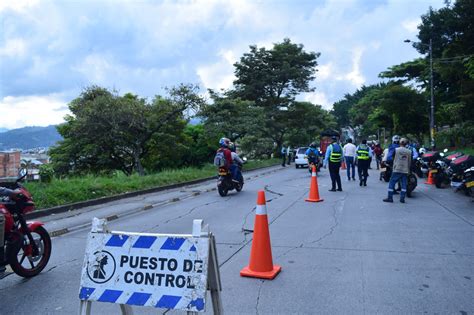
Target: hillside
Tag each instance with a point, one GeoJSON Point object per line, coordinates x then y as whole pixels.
{"type": "Point", "coordinates": [29, 137]}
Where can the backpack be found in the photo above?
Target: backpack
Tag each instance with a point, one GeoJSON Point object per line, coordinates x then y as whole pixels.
{"type": "Point", "coordinates": [312, 154]}
{"type": "Point", "coordinates": [219, 159]}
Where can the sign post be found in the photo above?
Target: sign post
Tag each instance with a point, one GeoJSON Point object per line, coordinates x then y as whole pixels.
{"type": "Point", "coordinates": [144, 269]}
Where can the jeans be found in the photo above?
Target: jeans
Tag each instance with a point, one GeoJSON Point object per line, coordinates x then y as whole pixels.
{"type": "Point", "coordinates": [235, 171]}
{"type": "Point", "coordinates": [378, 160]}
{"type": "Point", "coordinates": [335, 177]}
{"type": "Point", "coordinates": [349, 164]}
{"type": "Point", "coordinates": [393, 180]}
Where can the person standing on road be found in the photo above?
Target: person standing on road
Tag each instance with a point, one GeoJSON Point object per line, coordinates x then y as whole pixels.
{"type": "Point", "coordinates": [288, 152]}
{"type": "Point", "coordinates": [333, 158]}
{"type": "Point", "coordinates": [378, 154]}
{"type": "Point", "coordinates": [349, 155]}
{"type": "Point", "coordinates": [283, 155]}
{"type": "Point", "coordinates": [401, 168]}
{"type": "Point", "coordinates": [364, 153]}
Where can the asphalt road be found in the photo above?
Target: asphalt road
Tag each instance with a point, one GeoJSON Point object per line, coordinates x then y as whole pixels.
{"type": "Point", "coordinates": [350, 254]}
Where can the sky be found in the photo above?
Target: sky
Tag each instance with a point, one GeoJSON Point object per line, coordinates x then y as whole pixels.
{"type": "Point", "coordinates": [51, 50]}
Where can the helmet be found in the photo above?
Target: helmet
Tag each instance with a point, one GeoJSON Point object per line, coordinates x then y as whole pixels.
{"type": "Point", "coordinates": [396, 139]}
{"type": "Point", "coordinates": [232, 146]}
{"type": "Point", "coordinates": [312, 145]}
{"type": "Point", "coordinates": [224, 142]}
{"type": "Point", "coordinates": [422, 151]}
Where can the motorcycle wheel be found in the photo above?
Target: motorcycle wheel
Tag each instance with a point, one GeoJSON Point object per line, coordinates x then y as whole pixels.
{"type": "Point", "coordinates": [222, 191]}
{"type": "Point", "coordinates": [412, 183]}
{"type": "Point", "coordinates": [239, 186]}
{"type": "Point", "coordinates": [440, 181]}
{"type": "Point", "coordinates": [21, 259]}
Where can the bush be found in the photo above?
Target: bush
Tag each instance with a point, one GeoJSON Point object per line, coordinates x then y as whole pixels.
{"type": "Point", "coordinates": [46, 173]}
{"type": "Point", "coordinates": [461, 135]}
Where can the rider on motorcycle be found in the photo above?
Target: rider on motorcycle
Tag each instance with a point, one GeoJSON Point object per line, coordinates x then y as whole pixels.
{"type": "Point", "coordinates": [5, 192]}
{"type": "Point", "coordinates": [391, 149]}
{"type": "Point", "coordinates": [237, 162]}
{"type": "Point", "coordinates": [313, 154]}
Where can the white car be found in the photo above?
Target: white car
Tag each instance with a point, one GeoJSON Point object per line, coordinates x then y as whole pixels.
{"type": "Point", "coordinates": [300, 159]}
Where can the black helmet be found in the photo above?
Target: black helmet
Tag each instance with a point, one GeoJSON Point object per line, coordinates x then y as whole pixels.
{"type": "Point", "coordinates": [312, 145]}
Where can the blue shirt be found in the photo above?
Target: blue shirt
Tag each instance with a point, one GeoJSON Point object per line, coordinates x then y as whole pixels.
{"type": "Point", "coordinates": [329, 151]}
{"type": "Point", "coordinates": [316, 152]}
{"type": "Point", "coordinates": [391, 151]}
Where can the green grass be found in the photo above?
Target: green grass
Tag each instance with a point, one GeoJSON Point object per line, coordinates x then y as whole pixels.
{"type": "Point", "coordinates": [465, 150]}
{"type": "Point", "coordinates": [65, 191]}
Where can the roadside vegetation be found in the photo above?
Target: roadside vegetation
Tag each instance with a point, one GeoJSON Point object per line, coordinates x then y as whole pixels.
{"type": "Point", "coordinates": [80, 188]}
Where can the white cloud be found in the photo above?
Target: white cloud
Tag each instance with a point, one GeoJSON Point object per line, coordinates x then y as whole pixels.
{"type": "Point", "coordinates": [14, 47]}
{"type": "Point", "coordinates": [17, 5]}
{"type": "Point", "coordinates": [318, 98]}
{"type": "Point", "coordinates": [411, 25]}
{"type": "Point", "coordinates": [218, 75]}
{"type": "Point", "coordinates": [355, 76]}
{"type": "Point", "coordinates": [32, 110]}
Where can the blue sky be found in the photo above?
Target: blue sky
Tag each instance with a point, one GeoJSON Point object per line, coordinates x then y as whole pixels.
{"type": "Point", "coordinates": [51, 50]}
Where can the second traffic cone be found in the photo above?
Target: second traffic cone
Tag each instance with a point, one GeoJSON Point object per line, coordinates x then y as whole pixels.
{"type": "Point", "coordinates": [261, 261]}
{"type": "Point", "coordinates": [430, 180]}
{"type": "Point", "coordinates": [343, 165]}
{"type": "Point", "coordinates": [313, 188]}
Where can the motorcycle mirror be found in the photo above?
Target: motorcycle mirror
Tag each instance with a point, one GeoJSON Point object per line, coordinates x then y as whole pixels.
{"type": "Point", "coordinates": [22, 172]}
{"type": "Point", "coordinates": [445, 150]}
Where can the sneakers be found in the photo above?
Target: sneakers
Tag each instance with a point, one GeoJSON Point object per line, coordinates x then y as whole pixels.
{"type": "Point", "coordinates": [360, 183]}
{"type": "Point", "coordinates": [339, 189]}
{"type": "Point", "coordinates": [388, 200]}
{"type": "Point", "coordinates": [402, 200]}
{"type": "Point", "coordinates": [332, 189]}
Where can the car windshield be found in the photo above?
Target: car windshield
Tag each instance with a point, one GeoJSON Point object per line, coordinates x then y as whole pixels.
{"type": "Point", "coordinates": [302, 150]}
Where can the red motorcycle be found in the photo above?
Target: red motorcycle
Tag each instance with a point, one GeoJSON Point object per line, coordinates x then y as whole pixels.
{"type": "Point", "coordinates": [25, 246]}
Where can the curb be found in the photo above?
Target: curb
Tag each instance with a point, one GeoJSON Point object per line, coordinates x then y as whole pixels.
{"type": "Point", "coordinates": [97, 201]}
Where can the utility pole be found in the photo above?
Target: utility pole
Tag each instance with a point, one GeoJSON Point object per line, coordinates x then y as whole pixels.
{"type": "Point", "coordinates": [432, 118]}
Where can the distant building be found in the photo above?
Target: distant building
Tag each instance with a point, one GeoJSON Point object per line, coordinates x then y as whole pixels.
{"type": "Point", "coordinates": [9, 164]}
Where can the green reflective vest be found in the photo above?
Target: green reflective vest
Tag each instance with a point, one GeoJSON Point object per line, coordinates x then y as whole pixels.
{"type": "Point", "coordinates": [363, 152]}
{"type": "Point", "coordinates": [336, 153]}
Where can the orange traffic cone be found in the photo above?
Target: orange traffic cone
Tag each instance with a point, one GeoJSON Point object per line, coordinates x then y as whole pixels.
{"type": "Point", "coordinates": [430, 180]}
{"type": "Point", "coordinates": [343, 165]}
{"type": "Point", "coordinates": [261, 262]}
{"type": "Point", "coordinates": [313, 188]}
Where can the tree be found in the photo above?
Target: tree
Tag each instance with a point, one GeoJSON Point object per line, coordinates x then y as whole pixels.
{"type": "Point", "coordinates": [108, 132]}
{"type": "Point", "coordinates": [271, 79]}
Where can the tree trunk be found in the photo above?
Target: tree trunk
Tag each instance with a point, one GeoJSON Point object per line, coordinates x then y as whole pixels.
{"type": "Point", "coordinates": [139, 165]}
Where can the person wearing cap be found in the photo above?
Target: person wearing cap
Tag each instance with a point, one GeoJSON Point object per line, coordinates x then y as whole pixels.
{"type": "Point", "coordinates": [333, 158]}
{"type": "Point", "coordinates": [363, 155]}
{"type": "Point", "coordinates": [401, 167]}
{"type": "Point", "coordinates": [349, 152]}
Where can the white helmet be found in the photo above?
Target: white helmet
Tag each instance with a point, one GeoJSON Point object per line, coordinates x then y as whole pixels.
{"type": "Point", "coordinates": [422, 151]}
{"type": "Point", "coordinates": [396, 139]}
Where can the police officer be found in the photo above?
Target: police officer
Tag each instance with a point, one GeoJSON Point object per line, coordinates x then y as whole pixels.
{"type": "Point", "coordinates": [333, 159]}
{"type": "Point", "coordinates": [363, 155]}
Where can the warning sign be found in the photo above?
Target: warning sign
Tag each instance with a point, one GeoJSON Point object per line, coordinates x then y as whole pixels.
{"type": "Point", "coordinates": [146, 270]}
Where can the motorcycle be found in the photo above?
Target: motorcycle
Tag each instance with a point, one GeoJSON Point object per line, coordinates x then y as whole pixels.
{"type": "Point", "coordinates": [442, 171]}
{"type": "Point", "coordinates": [225, 182]}
{"type": "Point", "coordinates": [468, 182]}
{"type": "Point", "coordinates": [25, 246]}
{"type": "Point", "coordinates": [386, 173]}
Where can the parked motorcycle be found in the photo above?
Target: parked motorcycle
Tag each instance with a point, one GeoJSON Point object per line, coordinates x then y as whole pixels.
{"type": "Point", "coordinates": [468, 182]}
{"type": "Point", "coordinates": [225, 182]}
{"type": "Point", "coordinates": [442, 171]}
{"type": "Point", "coordinates": [25, 246]}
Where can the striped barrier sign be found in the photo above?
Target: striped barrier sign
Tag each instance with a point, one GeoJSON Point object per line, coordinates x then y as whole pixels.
{"type": "Point", "coordinates": [157, 270]}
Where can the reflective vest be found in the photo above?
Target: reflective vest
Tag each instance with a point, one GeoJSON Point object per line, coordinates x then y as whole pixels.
{"type": "Point", "coordinates": [336, 153]}
{"type": "Point", "coordinates": [363, 152]}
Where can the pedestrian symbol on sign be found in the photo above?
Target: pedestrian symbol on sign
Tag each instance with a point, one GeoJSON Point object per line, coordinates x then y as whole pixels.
{"type": "Point", "coordinates": [102, 267]}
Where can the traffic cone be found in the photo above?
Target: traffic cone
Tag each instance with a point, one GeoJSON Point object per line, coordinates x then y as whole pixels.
{"type": "Point", "coordinates": [261, 262]}
{"type": "Point", "coordinates": [430, 180]}
{"type": "Point", "coordinates": [343, 165]}
{"type": "Point", "coordinates": [313, 188]}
